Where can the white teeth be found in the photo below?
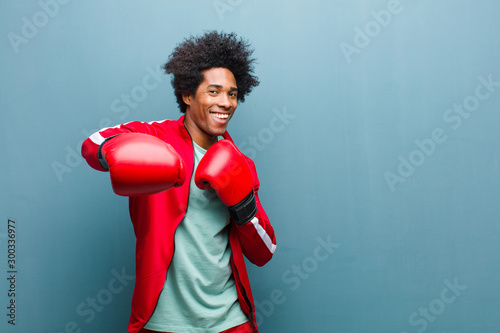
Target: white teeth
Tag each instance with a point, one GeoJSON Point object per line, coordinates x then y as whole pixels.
{"type": "Point", "coordinates": [220, 115]}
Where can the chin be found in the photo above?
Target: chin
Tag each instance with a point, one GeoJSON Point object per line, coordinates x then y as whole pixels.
{"type": "Point", "coordinates": [219, 131]}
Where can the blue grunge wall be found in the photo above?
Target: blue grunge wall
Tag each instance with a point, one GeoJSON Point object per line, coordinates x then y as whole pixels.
{"type": "Point", "coordinates": [374, 130]}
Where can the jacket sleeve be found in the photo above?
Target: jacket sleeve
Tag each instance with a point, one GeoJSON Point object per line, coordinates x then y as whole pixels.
{"type": "Point", "coordinates": [92, 143]}
{"type": "Point", "coordinates": [257, 239]}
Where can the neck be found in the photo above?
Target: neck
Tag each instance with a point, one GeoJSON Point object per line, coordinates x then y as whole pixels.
{"type": "Point", "coordinates": [201, 139]}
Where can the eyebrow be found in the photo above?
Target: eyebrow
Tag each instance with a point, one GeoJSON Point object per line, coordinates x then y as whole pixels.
{"type": "Point", "coordinates": [220, 87]}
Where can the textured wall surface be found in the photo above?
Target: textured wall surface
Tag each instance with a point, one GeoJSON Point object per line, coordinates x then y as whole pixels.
{"type": "Point", "coordinates": [374, 131]}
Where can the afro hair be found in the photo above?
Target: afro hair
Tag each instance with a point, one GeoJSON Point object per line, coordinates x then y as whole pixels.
{"type": "Point", "coordinates": [211, 50]}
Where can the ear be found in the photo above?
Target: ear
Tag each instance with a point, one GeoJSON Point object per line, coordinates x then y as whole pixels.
{"type": "Point", "coordinates": [186, 98]}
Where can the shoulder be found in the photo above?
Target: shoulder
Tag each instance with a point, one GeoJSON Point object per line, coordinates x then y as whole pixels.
{"type": "Point", "coordinates": [169, 128]}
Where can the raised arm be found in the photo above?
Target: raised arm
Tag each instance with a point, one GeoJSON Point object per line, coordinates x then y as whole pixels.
{"type": "Point", "coordinates": [139, 163]}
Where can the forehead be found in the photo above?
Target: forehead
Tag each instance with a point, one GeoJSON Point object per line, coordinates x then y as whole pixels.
{"type": "Point", "coordinates": [219, 76]}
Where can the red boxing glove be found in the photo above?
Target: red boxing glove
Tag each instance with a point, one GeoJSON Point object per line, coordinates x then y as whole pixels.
{"type": "Point", "coordinates": [225, 169]}
{"type": "Point", "coordinates": [141, 164]}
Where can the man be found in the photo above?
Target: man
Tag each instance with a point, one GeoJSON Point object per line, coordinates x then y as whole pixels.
{"type": "Point", "coordinates": [193, 196]}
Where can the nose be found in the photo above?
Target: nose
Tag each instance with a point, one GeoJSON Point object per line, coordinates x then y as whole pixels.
{"type": "Point", "coordinates": [224, 101]}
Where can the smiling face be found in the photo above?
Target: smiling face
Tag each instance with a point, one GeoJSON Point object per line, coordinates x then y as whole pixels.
{"type": "Point", "coordinates": [209, 110]}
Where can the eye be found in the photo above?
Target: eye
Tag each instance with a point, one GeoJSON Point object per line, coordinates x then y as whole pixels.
{"type": "Point", "coordinates": [233, 94]}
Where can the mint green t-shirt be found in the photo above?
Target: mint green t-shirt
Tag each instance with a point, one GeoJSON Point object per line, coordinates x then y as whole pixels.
{"type": "Point", "coordinates": [199, 294]}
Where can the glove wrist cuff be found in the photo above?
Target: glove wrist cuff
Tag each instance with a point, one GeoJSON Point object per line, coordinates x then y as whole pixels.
{"type": "Point", "coordinates": [244, 211]}
{"type": "Point", "coordinates": [100, 158]}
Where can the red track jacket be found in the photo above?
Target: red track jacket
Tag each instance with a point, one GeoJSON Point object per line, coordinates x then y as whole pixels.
{"type": "Point", "coordinates": [155, 218]}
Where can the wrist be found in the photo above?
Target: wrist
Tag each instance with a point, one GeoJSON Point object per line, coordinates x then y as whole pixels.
{"type": "Point", "coordinates": [245, 210]}
{"type": "Point", "coordinates": [100, 157]}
